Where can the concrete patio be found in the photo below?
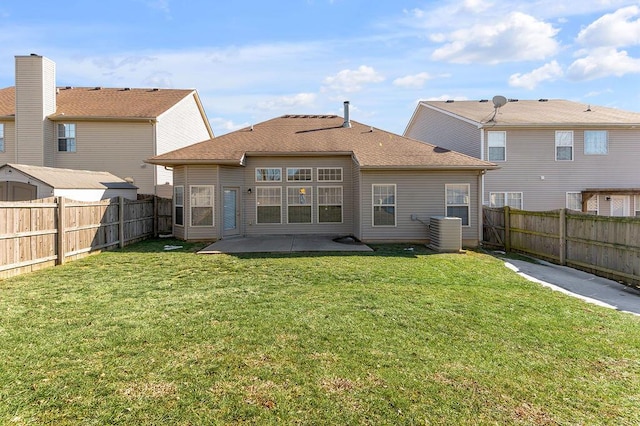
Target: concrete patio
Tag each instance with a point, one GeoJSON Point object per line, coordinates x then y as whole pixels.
{"type": "Point", "coordinates": [282, 244]}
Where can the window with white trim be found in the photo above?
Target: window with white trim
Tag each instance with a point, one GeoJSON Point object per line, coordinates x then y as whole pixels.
{"type": "Point", "coordinates": [295, 174]}
{"type": "Point", "coordinates": [564, 145]}
{"type": "Point", "coordinates": [268, 174]}
{"type": "Point", "coordinates": [201, 203]}
{"type": "Point", "coordinates": [384, 204]}
{"type": "Point", "coordinates": [497, 146]}
{"type": "Point", "coordinates": [178, 205]}
{"type": "Point", "coordinates": [329, 174]}
{"type": "Point", "coordinates": [329, 204]}
{"type": "Point", "coordinates": [637, 205]}
{"type": "Point", "coordinates": [596, 142]}
{"type": "Point", "coordinates": [501, 199]}
{"type": "Point", "coordinates": [1, 137]}
{"type": "Point", "coordinates": [574, 201]}
{"type": "Point", "coordinates": [457, 198]}
{"type": "Point", "coordinates": [268, 205]}
{"type": "Point", "coordinates": [299, 204]}
{"type": "Point", "coordinates": [66, 137]}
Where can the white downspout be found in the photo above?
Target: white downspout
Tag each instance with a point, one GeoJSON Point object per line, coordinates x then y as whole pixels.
{"type": "Point", "coordinates": [482, 157]}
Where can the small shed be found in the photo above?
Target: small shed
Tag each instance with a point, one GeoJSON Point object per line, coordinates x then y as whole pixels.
{"type": "Point", "coordinates": [21, 182]}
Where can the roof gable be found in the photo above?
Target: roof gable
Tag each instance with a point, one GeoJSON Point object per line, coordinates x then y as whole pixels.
{"type": "Point", "coordinates": [319, 135]}
{"type": "Point", "coordinates": [543, 112]}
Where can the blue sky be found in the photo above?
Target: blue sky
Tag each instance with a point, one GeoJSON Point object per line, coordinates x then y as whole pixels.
{"type": "Point", "coordinates": [254, 60]}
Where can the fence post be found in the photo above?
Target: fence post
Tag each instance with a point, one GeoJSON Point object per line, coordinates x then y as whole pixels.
{"type": "Point", "coordinates": [121, 221]}
{"type": "Point", "coordinates": [507, 233]}
{"type": "Point", "coordinates": [563, 236]}
{"type": "Point", "coordinates": [60, 240]}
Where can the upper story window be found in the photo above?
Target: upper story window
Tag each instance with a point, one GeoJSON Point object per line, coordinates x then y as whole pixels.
{"type": "Point", "coordinates": [268, 175]}
{"type": "Point", "coordinates": [564, 145]}
{"type": "Point", "coordinates": [596, 142]}
{"type": "Point", "coordinates": [298, 174]}
{"type": "Point", "coordinates": [329, 174]}
{"type": "Point", "coordinates": [497, 142]}
{"type": "Point", "coordinates": [1, 137]}
{"type": "Point", "coordinates": [67, 137]}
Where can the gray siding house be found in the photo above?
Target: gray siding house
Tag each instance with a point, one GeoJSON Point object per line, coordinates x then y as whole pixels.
{"type": "Point", "coordinates": [552, 153]}
{"type": "Point", "coordinates": [96, 128]}
{"type": "Point", "coordinates": [321, 174]}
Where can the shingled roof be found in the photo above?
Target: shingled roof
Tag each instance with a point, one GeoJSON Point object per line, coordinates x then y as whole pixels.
{"type": "Point", "coordinates": [542, 112]}
{"type": "Point", "coordinates": [72, 179]}
{"type": "Point", "coordinates": [98, 102]}
{"type": "Point", "coordinates": [316, 135]}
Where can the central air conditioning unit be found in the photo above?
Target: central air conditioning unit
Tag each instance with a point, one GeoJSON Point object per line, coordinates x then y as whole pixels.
{"type": "Point", "coordinates": [445, 234]}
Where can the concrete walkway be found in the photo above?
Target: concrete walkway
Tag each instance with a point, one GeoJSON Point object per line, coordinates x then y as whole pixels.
{"type": "Point", "coordinates": [588, 287]}
{"type": "Point", "coordinates": [282, 244]}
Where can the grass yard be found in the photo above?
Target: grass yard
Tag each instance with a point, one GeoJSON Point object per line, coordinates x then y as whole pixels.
{"type": "Point", "coordinates": [146, 336]}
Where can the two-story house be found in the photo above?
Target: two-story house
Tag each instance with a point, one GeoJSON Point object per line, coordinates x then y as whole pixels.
{"type": "Point", "coordinates": [96, 128]}
{"type": "Point", "coordinates": [552, 153]}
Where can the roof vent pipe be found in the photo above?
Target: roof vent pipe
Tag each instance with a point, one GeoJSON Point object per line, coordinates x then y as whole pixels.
{"type": "Point", "coordinates": [347, 121]}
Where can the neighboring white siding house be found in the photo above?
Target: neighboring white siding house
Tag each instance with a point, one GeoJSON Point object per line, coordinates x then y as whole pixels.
{"type": "Point", "coordinates": [552, 153]}
{"type": "Point", "coordinates": [96, 128]}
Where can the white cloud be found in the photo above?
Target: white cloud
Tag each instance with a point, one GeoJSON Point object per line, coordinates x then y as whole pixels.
{"type": "Point", "coordinates": [413, 81]}
{"type": "Point", "coordinates": [221, 126]}
{"type": "Point", "coordinates": [603, 62]}
{"type": "Point", "coordinates": [530, 80]}
{"type": "Point", "coordinates": [517, 37]}
{"type": "Point", "coordinates": [350, 81]}
{"type": "Point", "coordinates": [447, 98]}
{"type": "Point", "coordinates": [613, 29]}
{"type": "Point", "coordinates": [282, 102]}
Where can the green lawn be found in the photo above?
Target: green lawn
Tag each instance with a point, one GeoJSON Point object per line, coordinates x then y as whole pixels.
{"type": "Point", "coordinates": [146, 336]}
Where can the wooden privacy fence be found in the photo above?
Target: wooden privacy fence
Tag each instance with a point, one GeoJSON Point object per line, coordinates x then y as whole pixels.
{"type": "Point", "coordinates": [41, 233]}
{"type": "Point", "coordinates": [603, 245]}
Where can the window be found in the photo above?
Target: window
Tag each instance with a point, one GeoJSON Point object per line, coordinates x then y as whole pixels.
{"type": "Point", "coordinates": [596, 142]}
{"type": "Point", "coordinates": [329, 174]}
{"type": "Point", "coordinates": [384, 205]}
{"type": "Point", "coordinates": [637, 205]}
{"type": "Point", "coordinates": [564, 145]}
{"type": "Point", "coordinates": [298, 175]}
{"type": "Point", "coordinates": [458, 201]}
{"type": "Point", "coordinates": [1, 137]}
{"type": "Point", "coordinates": [574, 202]}
{"type": "Point", "coordinates": [497, 142]}
{"type": "Point", "coordinates": [268, 175]}
{"type": "Point", "coordinates": [501, 199]}
{"type": "Point", "coordinates": [201, 205]}
{"type": "Point", "coordinates": [178, 205]}
{"type": "Point", "coordinates": [67, 137]}
{"type": "Point", "coordinates": [299, 201]}
{"type": "Point", "coordinates": [329, 204]}
{"type": "Point", "coordinates": [268, 205]}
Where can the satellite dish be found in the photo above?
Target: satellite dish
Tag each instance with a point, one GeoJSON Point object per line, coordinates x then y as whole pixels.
{"type": "Point", "coordinates": [499, 101]}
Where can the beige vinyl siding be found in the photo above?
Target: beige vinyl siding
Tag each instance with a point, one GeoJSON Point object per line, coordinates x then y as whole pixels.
{"type": "Point", "coordinates": [180, 126]}
{"type": "Point", "coordinates": [253, 228]}
{"type": "Point", "coordinates": [116, 147]}
{"type": "Point", "coordinates": [357, 201]}
{"type": "Point", "coordinates": [179, 178]}
{"type": "Point", "coordinates": [9, 153]}
{"type": "Point", "coordinates": [531, 155]}
{"type": "Point", "coordinates": [202, 175]}
{"type": "Point", "coordinates": [445, 131]}
{"type": "Point", "coordinates": [420, 193]}
{"type": "Point", "coordinates": [35, 100]}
